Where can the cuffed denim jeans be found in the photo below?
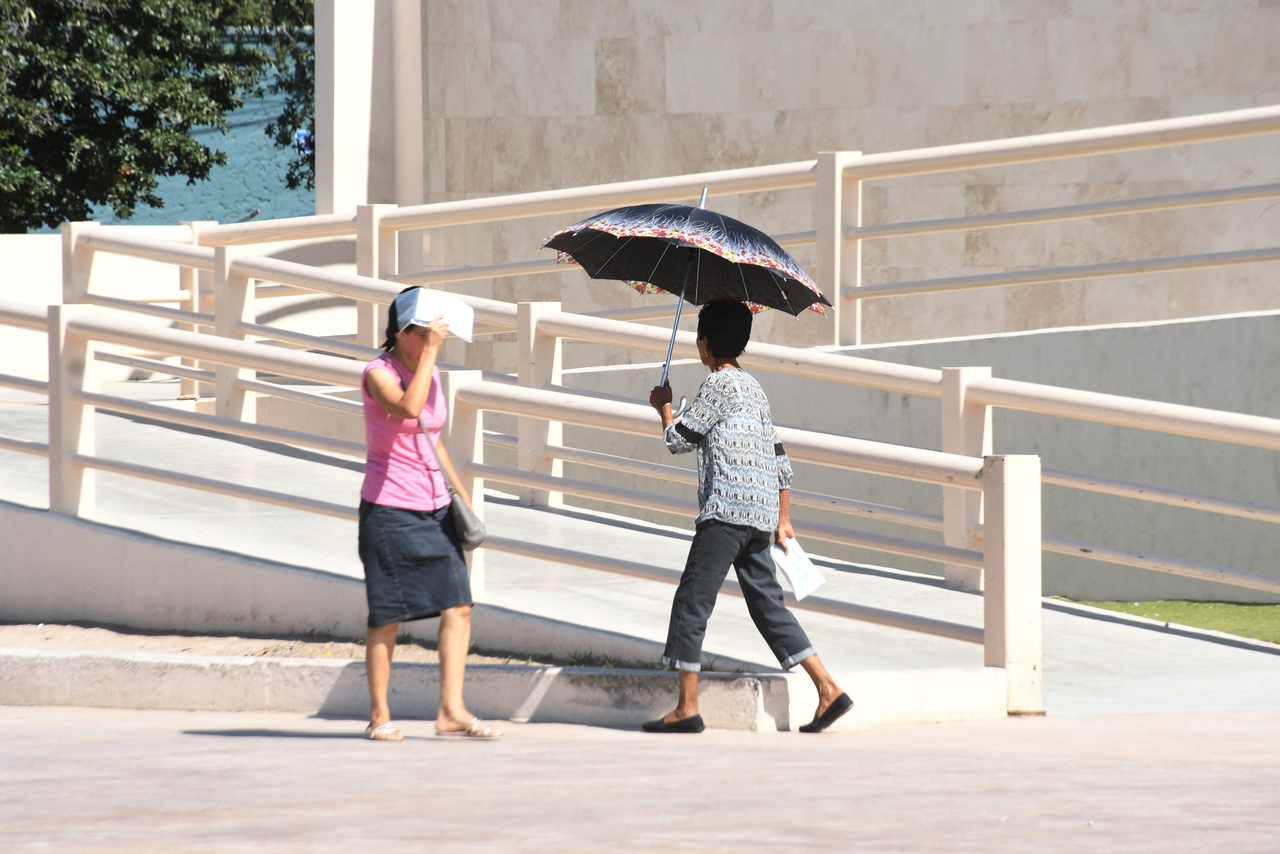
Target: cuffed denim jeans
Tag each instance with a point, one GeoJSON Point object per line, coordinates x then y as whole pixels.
{"type": "Point", "coordinates": [717, 546]}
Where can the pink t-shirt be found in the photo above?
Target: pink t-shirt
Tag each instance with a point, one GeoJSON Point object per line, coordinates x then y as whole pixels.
{"type": "Point", "coordinates": [401, 469]}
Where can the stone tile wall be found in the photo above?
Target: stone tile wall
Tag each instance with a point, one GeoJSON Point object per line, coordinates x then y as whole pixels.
{"type": "Point", "coordinates": [527, 95]}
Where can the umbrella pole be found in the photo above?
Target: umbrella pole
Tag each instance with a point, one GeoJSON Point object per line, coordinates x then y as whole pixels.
{"type": "Point", "coordinates": [676, 326]}
{"type": "Point", "coordinates": [671, 346]}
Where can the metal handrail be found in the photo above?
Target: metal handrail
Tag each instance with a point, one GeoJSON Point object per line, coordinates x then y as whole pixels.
{"type": "Point", "coordinates": [817, 604]}
{"type": "Point", "coordinates": [771, 357]}
{"type": "Point", "coordinates": [1060, 214]}
{"type": "Point", "coordinates": [275, 230]}
{"type": "Point", "coordinates": [148, 248]}
{"type": "Point", "coordinates": [688, 508]}
{"type": "Point", "coordinates": [218, 424]}
{"type": "Point", "coordinates": [1062, 274]}
{"type": "Point", "coordinates": [780, 176]}
{"type": "Point", "coordinates": [1176, 418]}
{"type": "Point", "coordinates": [218, 487]}
{"type": "Point", "coordinates": [1159, 495]}
{"type": "Point", "coordinates": [1112, 139]}
{"type": "Point", "coordinates": [803, 445]}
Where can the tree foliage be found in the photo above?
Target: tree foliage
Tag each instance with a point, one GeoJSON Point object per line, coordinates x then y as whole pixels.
{"type": "Point", "coordinates": [98, 98]}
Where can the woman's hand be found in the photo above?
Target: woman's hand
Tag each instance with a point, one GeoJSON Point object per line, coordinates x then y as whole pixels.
{"type": "Point", "coordinates": [660, 397]}
{"type": "Point", "coordinates": [432, 338]}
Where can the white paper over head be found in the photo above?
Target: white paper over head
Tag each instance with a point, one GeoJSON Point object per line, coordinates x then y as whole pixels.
{"type": "Point", "coordinates": [801, 575]}
{"type": "Point", "coordinates": [421, 306]}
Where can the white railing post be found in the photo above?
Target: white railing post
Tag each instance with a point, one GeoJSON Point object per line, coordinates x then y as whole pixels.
{"type": "Point", "coordinates": [538, 359]}
{"type": "Point", "coordinates": [837, 206]}
{"type": "Point", "coordinates": [1011, 557]}
{"type": "Point", "coordinates": [375, 258]}
{"type": "Point", "coordinates": [190, 280]}
{"type": "Point", "coordinates": [71, 369]}
{"type": "Point", "coordinates": [77, 263]}
{"type": "Point", "coordinates": [966, 430]}
{"type": "Point", "coordinates": [463, 437]}
{"type": "Point", "coordinates": [233, 303]}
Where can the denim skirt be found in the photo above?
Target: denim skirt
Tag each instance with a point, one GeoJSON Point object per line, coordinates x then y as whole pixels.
{"type": "Point", "coordinates": [413, 563]}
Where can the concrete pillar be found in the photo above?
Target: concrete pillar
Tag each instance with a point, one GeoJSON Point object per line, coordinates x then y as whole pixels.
{"type": "Point", "coordinates": [77, 263]}
{"type": "Point", "coordinates": [463, 438]}
{"type": "Point", "coordinates": [189, 280]}
{"type": "Point", "coordinates": [234, 305]}
{"type": "Point", "coordinates": [71, 369]}
{"type": "Point", "coordinates": [375, 258]}
{"type": "Point", "coordinates": [344, 33]}
{"type": "Point", "coordinates": [407, 120]}
{"type": "Point", "coordinates": [966, 430]}
{"type": "Point", "coordinates": [538, 361]}
{"type": "Point", "coordinates": [838, 205]}
{"type": "Point", "coordinates": [1011, 601]}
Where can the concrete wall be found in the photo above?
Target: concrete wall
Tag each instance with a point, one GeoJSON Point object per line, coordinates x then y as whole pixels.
{"type": "Point", "coordinates": [55, 568]}
{"type": "Point", "coordinates": [1220, 363]}
{"type": "Point", "coordinates": [526, 95]}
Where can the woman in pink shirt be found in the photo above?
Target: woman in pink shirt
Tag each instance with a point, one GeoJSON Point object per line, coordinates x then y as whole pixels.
{"type": "Point", "coordinates": [413, 562]}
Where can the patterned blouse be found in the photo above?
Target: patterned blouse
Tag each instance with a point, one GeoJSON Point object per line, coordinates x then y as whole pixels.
{"type": "Point", "coordinates": [741, 464]}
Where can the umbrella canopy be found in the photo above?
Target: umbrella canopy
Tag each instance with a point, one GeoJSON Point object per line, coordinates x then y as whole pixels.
{"type": "Point", "coordinates": [691, 251]}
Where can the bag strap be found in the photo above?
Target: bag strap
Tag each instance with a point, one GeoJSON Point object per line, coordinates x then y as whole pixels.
{"type": "Point", "coordinates": [448, 484]}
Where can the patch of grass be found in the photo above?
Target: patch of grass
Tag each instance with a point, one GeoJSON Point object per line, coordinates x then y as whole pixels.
{"type": "Point", "coordinates": [590, 659]}
{"type": "Point", "coordinates": [1260, 622]}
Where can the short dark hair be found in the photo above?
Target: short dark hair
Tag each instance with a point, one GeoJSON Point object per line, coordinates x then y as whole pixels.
{"type": "Point", "coordinates": [393, 321]}
{"type": "Point", "coordinates": [726, 324]}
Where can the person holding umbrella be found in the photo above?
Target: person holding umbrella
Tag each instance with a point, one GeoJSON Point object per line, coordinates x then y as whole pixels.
{"type": "Point", "coordinates": [743, 481]}
{"type": "Point", "coordinates": [731, 269]}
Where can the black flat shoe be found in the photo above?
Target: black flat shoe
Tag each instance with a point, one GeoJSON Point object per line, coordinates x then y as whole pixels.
{"type": "Point", "coordinates": [834, 712]}
{"type": "Point", "coordinates": [693, 724]}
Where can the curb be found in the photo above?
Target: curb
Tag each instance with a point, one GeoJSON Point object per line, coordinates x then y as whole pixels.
{"type": "Point", "coordinates": [573, 695]}
{"type": "Point", "coordinates": [592, 696]}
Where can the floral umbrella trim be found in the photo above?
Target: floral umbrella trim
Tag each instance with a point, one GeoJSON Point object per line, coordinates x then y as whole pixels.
{"type": "Point", "coordinates": [737, 249]}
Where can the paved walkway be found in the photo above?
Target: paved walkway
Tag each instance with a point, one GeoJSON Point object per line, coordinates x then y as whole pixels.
{"type": "Point", "coordinates": [76, 780]}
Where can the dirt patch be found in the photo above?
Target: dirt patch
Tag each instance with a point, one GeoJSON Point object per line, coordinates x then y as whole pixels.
{"type": "Point", "coordinates": [62, 637]}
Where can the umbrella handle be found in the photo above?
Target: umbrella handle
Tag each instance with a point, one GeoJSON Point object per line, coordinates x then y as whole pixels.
{"type": "Point", "coordinates": [684, 402]}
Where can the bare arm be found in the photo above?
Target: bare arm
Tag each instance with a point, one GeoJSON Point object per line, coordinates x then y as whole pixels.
{"type": "Point", "coordinates": [784, 519]}
{"type": "Point", "coordinates": [408, 402]}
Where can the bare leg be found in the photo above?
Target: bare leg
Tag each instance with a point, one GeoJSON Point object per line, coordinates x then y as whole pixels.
{"type": "Point", "coordinates": [378, 647]}
{"type": "Point", "coordinates": [828, 690]}
{"type": "Point", "coordinates": [454, 641]}
{"type": "Point", "coordinates": [687, 705]}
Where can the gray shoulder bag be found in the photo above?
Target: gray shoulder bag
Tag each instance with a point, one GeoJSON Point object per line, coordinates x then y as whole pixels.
{"type": "Point", "coordinates": [465, 521]}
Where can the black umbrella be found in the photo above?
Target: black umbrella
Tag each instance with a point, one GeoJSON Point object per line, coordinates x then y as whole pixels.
{"type": "Point", "coordinates": [697, 254]}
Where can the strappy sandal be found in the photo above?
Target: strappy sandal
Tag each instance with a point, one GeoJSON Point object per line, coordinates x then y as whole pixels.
{"type": "Point", "coordinates": [476, 729]}
{"type": "Point", "coordinates": [383, 732]}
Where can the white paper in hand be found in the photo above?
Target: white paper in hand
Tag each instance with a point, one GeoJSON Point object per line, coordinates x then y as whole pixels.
{"type": "Point", "coordinates": [802, 576]}
{"type": "Point", "coordinates": [421, 306]}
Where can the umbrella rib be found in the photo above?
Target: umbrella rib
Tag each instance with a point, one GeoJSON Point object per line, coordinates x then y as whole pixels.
{"type": "Point", "coordinates": [658, 264]}
{"type": "Point", "coordinates": [595, 235]}
{"type": "Point", "coordinates": [783, 291]}
{"type": "Point", "coordinates": [615, 252]}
